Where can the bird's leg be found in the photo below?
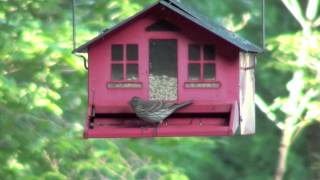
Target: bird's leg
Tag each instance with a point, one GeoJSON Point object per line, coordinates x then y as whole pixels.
{"type": "Point", "coordinates": [155, 131]}
{"type": "Point", "coordinates": [155, 128]}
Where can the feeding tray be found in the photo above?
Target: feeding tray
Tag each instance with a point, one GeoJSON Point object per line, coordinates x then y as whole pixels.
{"type": "Point", "coordinates": [217, 120]}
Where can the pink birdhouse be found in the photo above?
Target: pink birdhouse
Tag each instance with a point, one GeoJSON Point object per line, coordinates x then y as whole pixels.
{"type": "Point", "coordinates": [170, 54]}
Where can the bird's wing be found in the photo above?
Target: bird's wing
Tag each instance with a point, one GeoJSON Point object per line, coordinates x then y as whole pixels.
{"type": "Point", "coordinates": [170, 104]}
{"type": "Point", "coordinates": [153, 106]}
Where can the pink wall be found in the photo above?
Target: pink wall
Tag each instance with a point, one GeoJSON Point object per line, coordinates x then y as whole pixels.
{"type": "Point", "coordinates": [115, 100]}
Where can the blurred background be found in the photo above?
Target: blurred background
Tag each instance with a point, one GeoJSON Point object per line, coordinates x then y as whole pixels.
{"type": "Point", "coordinates": [43, 97]}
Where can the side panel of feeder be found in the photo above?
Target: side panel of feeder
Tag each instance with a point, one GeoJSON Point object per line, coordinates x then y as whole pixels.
{"type": "Point", "coordinates": [247, 92]}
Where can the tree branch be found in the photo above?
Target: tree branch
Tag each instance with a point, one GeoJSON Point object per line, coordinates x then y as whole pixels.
{"type": "Point", "coordinates": [312, 9]}
{"type": "Point", "coordinates": [299, 127]}
{"type": "Point", "coordinates": [316, 23]}
{"type": "Point", "coordinates": [262, 105]}
{"type": "Point", "coordinates": [284, 148]}
{"type": "Point", "coordinates": [305, 101]}
{"type": "Point", "coordinates": [294, 7]}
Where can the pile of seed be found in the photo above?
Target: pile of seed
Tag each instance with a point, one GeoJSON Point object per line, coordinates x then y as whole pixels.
{"type": "Point", "coordinates": [163, 87]}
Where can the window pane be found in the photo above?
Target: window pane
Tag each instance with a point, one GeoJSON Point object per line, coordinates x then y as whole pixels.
{"type": "Point", "coordinates": [117, 72]}
{"type": "Point", "coordinates": [132, 72]}
{"type": "Point", "coordinates": [132, 52]}
{"type": "Point", "coordinates": [209, 71]}
{"type": "Point", "coordinates": [209, 52]}
{"type": "Point", "coordinates": [117, 52]}
{"type": "Point", "coordinates": [194, 71]}
{"type": "Point", "coordinates": [194, 52]}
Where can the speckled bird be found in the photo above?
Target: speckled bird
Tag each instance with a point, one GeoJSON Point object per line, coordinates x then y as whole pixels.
{"type": "Point", "coordinates": [155, 111]}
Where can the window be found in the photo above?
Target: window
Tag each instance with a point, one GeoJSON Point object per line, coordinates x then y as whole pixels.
{"type": "Point", "coordinates": [194, 52]}
{"type": "Point", "coordinates": [117, 72]}
{"type": "Point", "coordinates": [132, 52]}
{"type": "Point", "coordinates": [194, 72]}
{"type": "Point", "coordinates": [117, 52]}
{"type": "Point", "coordinates": [208, 52]}
{"type": "Point", "coordinates": [201, 64]}
{"type": "Point", "coordinates": [124, 64]}
{"type": "Point", "coordinates": [163, 69]}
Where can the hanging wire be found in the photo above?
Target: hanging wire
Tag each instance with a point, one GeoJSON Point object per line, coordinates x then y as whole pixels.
{"type": "Point", "coordinates": [73, 25]}
{"type": "Point", "coordinates": [263, 22]}
{"type": "Point", "coordinates": [74, 34]}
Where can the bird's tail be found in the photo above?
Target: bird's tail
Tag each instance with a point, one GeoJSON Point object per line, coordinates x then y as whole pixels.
{"type": "Point", "coordinates": [183, 104]}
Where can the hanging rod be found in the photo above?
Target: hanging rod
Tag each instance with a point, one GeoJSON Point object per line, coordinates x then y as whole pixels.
{"type": "Point", "coordinates": [263, 24]}
{"type": "Point", "coordinates": [74, 35]}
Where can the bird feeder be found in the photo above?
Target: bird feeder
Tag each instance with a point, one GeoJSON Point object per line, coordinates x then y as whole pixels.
{"type": "Point", "coordinates": [167, 52]}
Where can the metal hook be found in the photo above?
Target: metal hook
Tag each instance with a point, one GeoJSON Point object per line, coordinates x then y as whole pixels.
{"type": "Point", "coordinates": [74, 33]}
{"type": "Point", "coordinates": [85, 64]}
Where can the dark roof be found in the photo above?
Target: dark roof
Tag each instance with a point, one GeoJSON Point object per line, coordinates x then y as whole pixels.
{"type": "Point", "coordinates": [191, 15]}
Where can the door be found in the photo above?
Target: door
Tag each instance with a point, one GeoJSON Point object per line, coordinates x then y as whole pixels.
{"type": "Point", "coordinates": [163, 69]}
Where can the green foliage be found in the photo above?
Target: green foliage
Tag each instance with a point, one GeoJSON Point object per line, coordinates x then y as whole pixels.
{"type": "Point", "coordinates": [286, 50]}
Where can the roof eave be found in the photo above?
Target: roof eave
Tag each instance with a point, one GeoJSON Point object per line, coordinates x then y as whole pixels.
{"type": "Point", "coordinates": [194, 19]}
{"type": "Point", "coordinates": [84, 47]}
{"type": "Point", "coordinates": [257, 50]}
